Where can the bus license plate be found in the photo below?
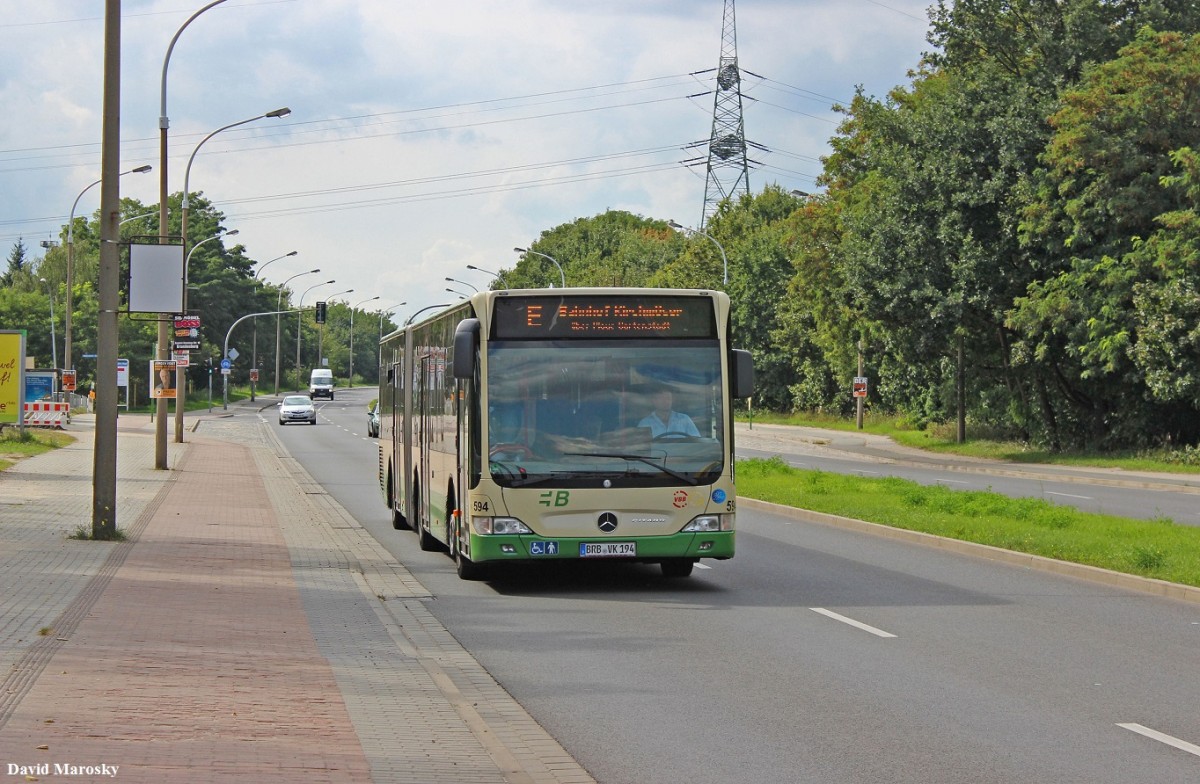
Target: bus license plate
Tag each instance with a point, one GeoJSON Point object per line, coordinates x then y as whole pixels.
{"type": "Point", "coordinates": [607, 549]}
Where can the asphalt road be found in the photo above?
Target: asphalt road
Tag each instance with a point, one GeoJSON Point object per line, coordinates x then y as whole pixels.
{"type": "Point", "coordinates": [816, 655]}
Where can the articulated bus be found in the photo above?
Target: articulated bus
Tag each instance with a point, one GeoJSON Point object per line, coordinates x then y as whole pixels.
{"type": "Point", "coordinates": [550, 424]}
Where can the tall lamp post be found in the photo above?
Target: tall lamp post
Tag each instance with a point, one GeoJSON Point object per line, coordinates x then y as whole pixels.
{"type": "Point", "coordinates": [180, 375]}
{"type": "Point", "coordinates": [279, 323]}
{"type": "Point", "coordinates": [496, 275]}
{"type": "Point", "coordinates": [352, 309]}
{"type": "Point", "coordinates": [720, 247]}
{"type": "Point", "coordinates": [254, 340]}
{"type": "Point", "coordinates": [187, 173]}
{"type": "Point", "coordinates": [160, 431]}
{"type": "Point", "coordinates": [382, 315]}
{"type": "Point", "coordinates": [321, 331]}
{"type": "Point", "coordinates": [266, 264]}
{"type": "Point", "coordinates": [462, 283]}
{"type": "Point", "coordinates": [67, 360]}
{"type": "Point", "coordinates": [562, 275]}
{"type": "Point", "coordinates": [299, 315]}
{"type": "Point", "coordinates": [53, 338]}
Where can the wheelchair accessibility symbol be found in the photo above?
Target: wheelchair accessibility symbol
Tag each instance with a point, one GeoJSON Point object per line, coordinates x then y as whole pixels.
{"type": "Point", "coordinates": [543, 548]}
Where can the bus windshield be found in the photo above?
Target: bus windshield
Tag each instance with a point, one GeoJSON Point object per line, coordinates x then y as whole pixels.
{"type": "Point", "coordinates": [595, 413]}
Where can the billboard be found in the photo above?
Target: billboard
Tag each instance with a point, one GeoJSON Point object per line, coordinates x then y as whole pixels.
{"type": "Point", "coordinates": [156, 278]}
{"type": "Point", "coordinates": [12, 376]}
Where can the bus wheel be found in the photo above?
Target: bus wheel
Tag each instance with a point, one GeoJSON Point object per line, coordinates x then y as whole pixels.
{"type": "Point", "coordinates": [398, 521]}
{"type": "Point", "coordinates": [678, 567]}
{"type": "Point", "coordinates": [426, 540]}
{"type": "Point", "coordinates": [468, 569]}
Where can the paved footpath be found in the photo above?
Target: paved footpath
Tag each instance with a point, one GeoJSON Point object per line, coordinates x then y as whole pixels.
{"type": "Point", "coordinates": [247, 628]}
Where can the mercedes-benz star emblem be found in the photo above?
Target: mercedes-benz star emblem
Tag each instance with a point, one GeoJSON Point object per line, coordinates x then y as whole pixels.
{"type": "Point", "coordinates": [607, 522]}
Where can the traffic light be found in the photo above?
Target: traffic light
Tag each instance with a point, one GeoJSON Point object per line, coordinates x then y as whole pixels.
{"type": "Point", "coordinates": [320, 312]}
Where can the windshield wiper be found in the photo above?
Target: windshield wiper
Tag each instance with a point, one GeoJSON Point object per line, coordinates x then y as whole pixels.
{"type": "Point", "coordinates": [640, 458]}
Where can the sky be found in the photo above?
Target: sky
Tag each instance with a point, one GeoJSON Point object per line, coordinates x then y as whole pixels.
{"type": "Point", "coordinates": [425, 135]}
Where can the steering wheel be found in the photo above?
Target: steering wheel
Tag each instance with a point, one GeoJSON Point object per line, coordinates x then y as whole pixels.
{"type": "Point", "coordinates": [511, 451]}
{"type": "Point", "coordinates": [674, 435]}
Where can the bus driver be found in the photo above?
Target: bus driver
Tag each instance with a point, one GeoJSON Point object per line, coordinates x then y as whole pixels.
{"type": "Point", "coordinates": [662, 420]}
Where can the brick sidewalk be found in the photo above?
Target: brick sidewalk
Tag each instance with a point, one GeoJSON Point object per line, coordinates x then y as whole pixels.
{"type": "Point", "coordinates": [196, 663]}
{"type": "Point", "coordinates": [249, 627]}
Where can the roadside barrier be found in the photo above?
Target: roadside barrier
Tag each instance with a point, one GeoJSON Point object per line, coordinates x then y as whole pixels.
{"type": "Point", "coordinates": [47, 414]}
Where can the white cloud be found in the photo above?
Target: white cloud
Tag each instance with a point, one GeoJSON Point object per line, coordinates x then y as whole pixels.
{"type": "Point", "coordinates": [400, 108]}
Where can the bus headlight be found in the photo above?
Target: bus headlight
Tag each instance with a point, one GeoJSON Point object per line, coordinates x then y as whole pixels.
{"type": "Point", "coordinates": [707, 524]}
{"type": "Point", "coordinates": [499, 525]}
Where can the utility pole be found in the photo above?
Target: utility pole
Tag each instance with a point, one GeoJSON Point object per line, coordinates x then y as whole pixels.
{"type": "Point", "coordinates": [104, 453]}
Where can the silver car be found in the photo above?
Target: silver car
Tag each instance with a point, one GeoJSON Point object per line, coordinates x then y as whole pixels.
{"type": "Point", "coordinates": [373, 420]}
{"type": "Point", "coordinates": [297, 408]}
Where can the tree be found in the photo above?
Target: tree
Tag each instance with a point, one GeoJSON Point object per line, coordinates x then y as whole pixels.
{"type": "Point", "coordinates": [1118, 138]}
{"type": "Point", "coordinates": [16, 263]}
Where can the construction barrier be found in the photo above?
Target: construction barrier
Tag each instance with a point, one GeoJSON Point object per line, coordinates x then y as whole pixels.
{"type": "Point", "coordinates": [47, 414]}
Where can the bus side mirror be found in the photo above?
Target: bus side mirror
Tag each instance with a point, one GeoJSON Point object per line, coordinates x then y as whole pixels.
{"type": "Point", "coordinates": [742, 383]}
{"type": "Point", "coordinates": [466, 346]}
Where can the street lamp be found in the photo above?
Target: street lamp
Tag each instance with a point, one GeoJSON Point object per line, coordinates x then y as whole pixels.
{"type": "Point", "coordinates": [462, 282]}
{"type": "Point", "coordinates": [160, 436]}
{"type": "Point", "coordinates": [278, 323]}
{"type": "Point", "coordinates": [458, 294]}
{"type": "Point", "coordinates": [53, 338]}
{"type": "Point", "coordinates": [160, 431]}
{"type": "Point", "coordinates": [67, 362]}
{"type": "Point", "coordinates": [132, 218]}
{"type": "Point", "coordinates": [180, 375]}
{"type": "Point", "coordinates": [187, 173]}
{"type": "Point", "coordinates": [254, 340]}
{"type": "Point", "coordinates": [382, 315]}
{"type": "Point", "coordinates": [299, 314]}
{"type": "Point", "coordinates": [496, 275]}
{"type": "Point", "coordinates": [720, 247]}
{"type": "Point", "coordinates": [409, 320]}
{"type": "Point", "coordinates": [272, 261]}
{"type": "Point", "coordinates": [321, 331]}
{"type": "Point", "coordinates": [561, 274]}
{"type": "Point", "coordinates": [352, 309]}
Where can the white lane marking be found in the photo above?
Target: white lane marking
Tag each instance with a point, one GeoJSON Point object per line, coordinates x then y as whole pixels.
{"type": "Point", "coordinates": [703, 566]}
{"type": "Point", "coordinates": [851, 622]}
{"type": "Point", "coordinates": [1068, 495]}
{"type": "Point", "coordinates": [1161, 737]}
{"type": "Point", "coordinates": [952, 481]}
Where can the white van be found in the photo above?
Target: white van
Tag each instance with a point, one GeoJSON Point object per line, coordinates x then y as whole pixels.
{"type": "Point", "coordinates": [320, 384]}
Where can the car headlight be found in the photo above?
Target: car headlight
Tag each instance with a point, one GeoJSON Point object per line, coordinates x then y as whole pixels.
{"type": "Point", "coordinates": [709, 524]}
{"type": "Point", "coordinates": [499, 525]}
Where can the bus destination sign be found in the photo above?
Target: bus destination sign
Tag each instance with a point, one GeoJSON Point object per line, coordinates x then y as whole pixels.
{"type": "Point", "coordinates": [572, 316]}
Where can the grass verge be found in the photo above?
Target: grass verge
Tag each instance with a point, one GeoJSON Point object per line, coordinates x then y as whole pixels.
{"type": "Point", "coordinates": [14, 446]}
{"type": "Point", "coordinates": [1150, 548]}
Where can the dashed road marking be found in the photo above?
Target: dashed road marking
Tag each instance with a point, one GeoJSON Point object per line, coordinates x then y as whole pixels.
{"type": "Point", "coordinates": [851, 622]}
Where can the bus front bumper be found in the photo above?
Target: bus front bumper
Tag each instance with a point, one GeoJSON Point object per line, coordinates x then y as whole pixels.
{"type": "Point", "coordinates": [528, 547]}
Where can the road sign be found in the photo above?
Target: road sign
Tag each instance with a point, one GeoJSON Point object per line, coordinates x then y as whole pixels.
{"type": "Point", "coordinates": [226, 364]}
{"type": "Point", "coordinates": [233, 353]}
{"type": "Point", "coordinates": [860, 386]}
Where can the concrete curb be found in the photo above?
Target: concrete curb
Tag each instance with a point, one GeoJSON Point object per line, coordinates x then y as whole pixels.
{"type": "Point", "coordinates": [1039, 563]}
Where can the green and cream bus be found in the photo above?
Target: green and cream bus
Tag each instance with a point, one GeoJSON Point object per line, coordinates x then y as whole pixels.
{"type": "Point", "coordinates": [565, 424]}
